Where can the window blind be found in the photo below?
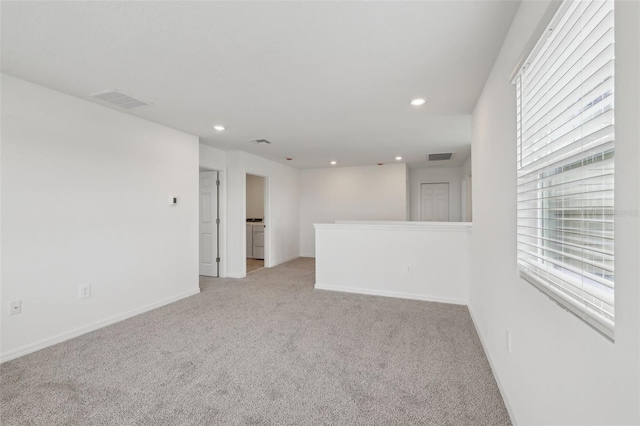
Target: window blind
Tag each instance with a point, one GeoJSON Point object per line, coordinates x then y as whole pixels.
{"type": "Point", "coordinates": [565, 162]}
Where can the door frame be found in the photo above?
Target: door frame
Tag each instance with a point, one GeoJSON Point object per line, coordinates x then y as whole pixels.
{"type": "Point", "coordinates": [420, 198]}
{"type": "Point", "coordinates": [267, 218]}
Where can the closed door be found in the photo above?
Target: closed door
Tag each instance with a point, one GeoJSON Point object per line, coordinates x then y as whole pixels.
{"type": "Point", "coordinates": [208, 224]}
{"type": "Point", "coordinates": [434, 202]}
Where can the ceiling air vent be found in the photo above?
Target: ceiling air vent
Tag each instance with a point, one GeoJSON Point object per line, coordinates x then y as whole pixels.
{"type": "Point", "coordinates": [260, 141]}
{"type": "Point", "coordinates": [120, 99]}
{"type": "Point", "coordinates": [440, 157]}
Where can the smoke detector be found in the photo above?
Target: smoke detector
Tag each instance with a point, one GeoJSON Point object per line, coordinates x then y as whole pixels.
{"type": "Point", "coordinates": [440, 157]}
{"type": "Point", "coordinates": [258, 141]}
{"type": "Point", "coordinates": [120, 99]}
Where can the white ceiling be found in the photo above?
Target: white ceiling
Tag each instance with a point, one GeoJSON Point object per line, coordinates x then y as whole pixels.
{"type": "Point", "coordinates": [321, 80]}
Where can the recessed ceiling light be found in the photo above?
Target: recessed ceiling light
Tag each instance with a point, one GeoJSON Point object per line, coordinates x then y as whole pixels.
{"type": "Point", "coordinates": [219, 128]}
{"type": "Point", "coordinates": [398, 158]}
{"type": "Point", "coordinates": [418, 102]}
{"type": "Point", "coordinates": [333, 163]}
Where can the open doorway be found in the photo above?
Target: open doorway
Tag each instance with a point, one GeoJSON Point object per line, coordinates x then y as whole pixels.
{"type": "Point", "coordinates": [255, 221]}
{"type": "Point", "coordinates": [209, 223]}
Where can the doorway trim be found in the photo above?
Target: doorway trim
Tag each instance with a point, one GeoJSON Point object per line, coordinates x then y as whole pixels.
{"type": "Point", "coordinates": [267, 218]}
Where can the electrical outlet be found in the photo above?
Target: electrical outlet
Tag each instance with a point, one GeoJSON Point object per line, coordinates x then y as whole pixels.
{"type": "Point", "coordinates": [15, 308]}
{"type": "Point", "coordinates": [508, 341]}
{"type": "Point", "coordinates": [85, 291]}
{"type": "Point", "coordinates": [408, 269]}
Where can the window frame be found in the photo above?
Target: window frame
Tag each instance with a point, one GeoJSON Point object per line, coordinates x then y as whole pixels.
{"type": "Point", "coordinates": [546, 248]}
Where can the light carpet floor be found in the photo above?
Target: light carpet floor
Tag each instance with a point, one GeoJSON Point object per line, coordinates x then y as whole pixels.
{"type": "Point", "coordinates": [264, 350]}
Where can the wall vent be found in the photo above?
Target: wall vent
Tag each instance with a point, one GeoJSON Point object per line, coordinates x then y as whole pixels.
{"type": "Point", "coordinates": [260, 141]}
{"type": "Point", "coordinates": [120, 99]}
{"type": "Point", "coordinates": [440, 157]}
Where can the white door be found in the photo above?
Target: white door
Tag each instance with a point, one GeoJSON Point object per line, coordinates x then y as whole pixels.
{"type": "Point", "coordinates": [434, 202]}
{"type": "Point", "coordinates": [208, 225]}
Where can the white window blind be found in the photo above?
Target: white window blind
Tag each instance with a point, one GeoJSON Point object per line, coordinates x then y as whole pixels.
{"type": "Point", "coordinates": [565, 163]}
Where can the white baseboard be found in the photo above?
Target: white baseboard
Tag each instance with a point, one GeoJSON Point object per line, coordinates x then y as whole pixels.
{"type": "Point", "coordinates": [493, 370]}
{"type": "Point", "coordinates": [50, 341]}
{"type": "Point", "coordinates": [284, 260]}
{"type": "Point", "coordinates": [235, 276]}
{"type": "Point", "coordinates": [308, 255]}
{"type": "Point", "coordinates": [396, 294]}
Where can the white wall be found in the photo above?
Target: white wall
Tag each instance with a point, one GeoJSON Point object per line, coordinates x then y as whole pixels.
{"type": "Point", "coordinates": [466, 202]}
{"type": "Point", "coordinates": [350, 193]}
{"type": "Point", "coordinates": [560, 371]}
{"type": "Point", "coordinates": [282, 232]}
{"type": "Point", "coordinates": [465, 169]}
{"type": "Point", "coordinates": [213, 158]}
{"type": "Point", "coordinates": [86, 201]}
{"type": "Point", "coordinates": [281, 219]}
{"type": "Point", "coordinates": [452, 175]}
{"type": "Point", "coordinates": [255, 196]}
{"type": "Point", "coordinates": [372, 258]}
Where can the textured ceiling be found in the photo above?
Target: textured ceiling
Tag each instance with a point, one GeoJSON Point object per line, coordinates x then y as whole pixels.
{"type": "Point", "coordinates": [321, 80]}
